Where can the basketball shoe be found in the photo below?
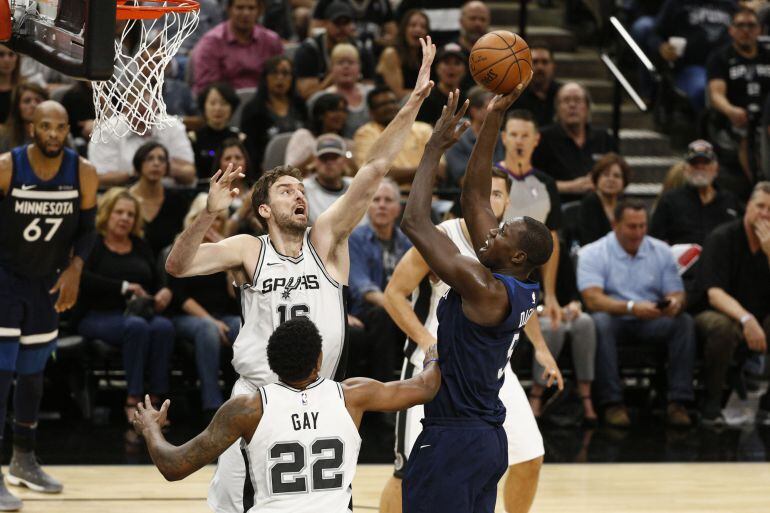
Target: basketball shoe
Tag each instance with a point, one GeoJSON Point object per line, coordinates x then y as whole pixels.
{"type": "Point", "coordinates": [8, 501]}
{"type": "Point", "coordinates": [24, 470]}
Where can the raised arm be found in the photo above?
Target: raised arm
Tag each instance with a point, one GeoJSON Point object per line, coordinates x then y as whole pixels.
{"type": "Point", "coordinates": [477, 184]}
{"type": "Point", "coordinates": [339, 220]}
{"type": "Point", "coordinates": [365, 394]}
{"type": "Point", "coordinates": [188, 256]}
{"type": "Point", "coordinates": [237, 418]}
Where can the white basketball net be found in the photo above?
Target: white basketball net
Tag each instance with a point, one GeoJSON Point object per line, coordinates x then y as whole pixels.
{"type": "Point", "coordinates": [132, 100]}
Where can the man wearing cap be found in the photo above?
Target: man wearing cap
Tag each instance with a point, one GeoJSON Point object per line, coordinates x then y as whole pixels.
{"type": "Point", "coordinates": [735, 272]}
{"type": "Point", "coordinates": [312, 61]}
{"type": "Point", "coordinates": [687, 214]}
{"type": "Point", "coordinates": [450, 70]}
{"type": "Point", "coordinates": [327, 184]}
{"type": "Point", "coordinates": [375, 250]}
{"type": "Point", "coordinates": [235, 50]}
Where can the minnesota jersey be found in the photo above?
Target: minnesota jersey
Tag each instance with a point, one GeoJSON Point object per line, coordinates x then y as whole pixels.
{"type": "Point", "coordinates": [474, 357]}
{"type": "Point", "coordinates": [39, 219]}
{"type": "Point", "coordinates": [303, 455]}
{"type": "Point", "coordinates": [284, 288]}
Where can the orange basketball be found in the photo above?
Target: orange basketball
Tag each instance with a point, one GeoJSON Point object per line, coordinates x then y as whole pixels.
{"type": "Point", "coordinates": [500, 61]}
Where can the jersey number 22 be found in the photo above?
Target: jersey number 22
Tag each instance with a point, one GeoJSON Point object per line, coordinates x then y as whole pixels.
{"type": "Point", "coordinates": [288, 475]}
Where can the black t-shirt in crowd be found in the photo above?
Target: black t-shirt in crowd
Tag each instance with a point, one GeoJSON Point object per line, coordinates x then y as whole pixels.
{"type": "Point", "coordinates": [559, 156]}
{"type": "Point", "coordinates": [161, 231]}
{"type": "Point", "coordinates": [727, 263]}
{"type": "Point", "coordinates": [593, 223]}
{"type": "Point", "coordinates": [681, 217]}
{"type": "Point", "coordinates": [703, 23]}
{"type": "Point", "coordinates": [748, 80]}
{"type": "Point", "coordinates": [543, 110]}
{"type": "Point", "coordinates": [105, 271]}
{"type": "Point", "coordinates": [205, 142]}
{"type": "Point", "coordinates": [209, 291]}
{"type": "Point", "coordinates": [79, 103]}
{"type": "Point", "coordinates": [313, 60]}
{"type": "Point", "coordinates": [433, 105]}
{"type": "Point", "coordinates": [370, 15]}
{"type": "Point", "coordinates": [5, 105]}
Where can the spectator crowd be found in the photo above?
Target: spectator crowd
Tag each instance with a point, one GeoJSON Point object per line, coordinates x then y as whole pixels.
{"type": "Point", "coordinates": [312, 84]}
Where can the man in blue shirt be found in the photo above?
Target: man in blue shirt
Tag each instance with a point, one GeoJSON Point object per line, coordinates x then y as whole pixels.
{"type": "Point", "coordinates": [630, 282]}
{"type": "Point", "coordinates": [375, 250]}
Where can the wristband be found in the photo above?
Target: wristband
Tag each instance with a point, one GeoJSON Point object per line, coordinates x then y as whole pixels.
{"type": "Point", "coordinates": [745, 318]}
{"type": "Point", "coordinates": [630, 307]}
{"type": "Point", "coordinates": [429, 361]}
{"type": "Point", "coordinates": [123, 288]}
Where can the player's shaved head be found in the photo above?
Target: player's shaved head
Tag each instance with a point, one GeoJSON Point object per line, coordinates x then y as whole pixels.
{"type": "Point", "coordinates": [50, 109]}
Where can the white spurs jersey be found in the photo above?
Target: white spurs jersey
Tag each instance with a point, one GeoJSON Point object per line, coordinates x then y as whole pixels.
{"type": "Point", "coordinates": [284, 288]}
{"type": "Point", "coordinates": [453, 229]}
{"type": "Point", "coordinates": [303, 455]}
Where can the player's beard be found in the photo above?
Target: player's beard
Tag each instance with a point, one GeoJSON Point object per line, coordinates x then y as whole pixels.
{"type": "Point", "coordinates": [43, 147]}
{"type": "Point", "coordinates": [287, 224]}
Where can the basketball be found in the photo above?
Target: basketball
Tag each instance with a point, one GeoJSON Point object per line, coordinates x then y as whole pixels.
{"type": "Point", "coordinates": [500, 61]}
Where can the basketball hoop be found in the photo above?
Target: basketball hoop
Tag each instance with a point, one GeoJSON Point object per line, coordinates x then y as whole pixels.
{"type": "Point", "coordinates": [132, 99]}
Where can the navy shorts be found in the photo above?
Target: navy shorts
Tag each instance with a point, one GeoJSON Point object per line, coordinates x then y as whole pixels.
{"type": "Point", "coordinates": [28, 322]}
{"type": "Point", "coordinates": [455, 466]}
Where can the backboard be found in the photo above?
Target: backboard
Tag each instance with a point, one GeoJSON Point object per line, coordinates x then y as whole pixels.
{"type": "Point", "coordinates": [74, 37]}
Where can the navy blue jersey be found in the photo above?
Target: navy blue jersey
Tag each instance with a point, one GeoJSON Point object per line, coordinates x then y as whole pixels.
{"type": "Point", "coordinates": [39, 218]}
{"type": "Point", "coordinates": [473, 357]}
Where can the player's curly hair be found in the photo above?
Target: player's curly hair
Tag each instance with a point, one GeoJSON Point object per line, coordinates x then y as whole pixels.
{"type": "Point", "coordinates": [293, 349]}
{"type": "Point", "coordinates": [261, 191]}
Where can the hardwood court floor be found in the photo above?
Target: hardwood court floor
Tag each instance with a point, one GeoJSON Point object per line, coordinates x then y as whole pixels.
{"type": "Point", "coordinates": [569, 488]}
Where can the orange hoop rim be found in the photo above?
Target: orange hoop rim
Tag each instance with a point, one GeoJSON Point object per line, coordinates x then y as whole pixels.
{"type": "Point", "coordinates": [149, 12]}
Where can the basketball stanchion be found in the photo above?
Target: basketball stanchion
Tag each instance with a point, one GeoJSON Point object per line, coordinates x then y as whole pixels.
{"type": "Point", "coordinates": [132, 99]}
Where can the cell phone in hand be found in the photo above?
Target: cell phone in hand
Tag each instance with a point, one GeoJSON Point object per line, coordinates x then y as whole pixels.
{"type": "Point", "coordinates": [663, 303]}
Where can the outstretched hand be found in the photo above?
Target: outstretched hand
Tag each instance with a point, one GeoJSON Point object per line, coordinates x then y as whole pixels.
{"type": "Point", "coordinates": [424, 84]}
{"type": "Point", "coordinates": [501, 103]}
{"type": "Point", "coordinates": [146, 415]}
{"type": "Point", "coordinates": [449, 129]}
{"type": "Point", "coordinates": [221, 195]}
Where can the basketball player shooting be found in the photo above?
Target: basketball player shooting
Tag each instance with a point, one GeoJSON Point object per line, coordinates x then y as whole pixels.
{"type": "Point", "coordinates": [480, 318]}
{"type": "Point", "coordinates": [47, 213]}
{"type": "Point", "coordinates": [300, 433]}
{"type": "Point", "coordinates": [293, 271]}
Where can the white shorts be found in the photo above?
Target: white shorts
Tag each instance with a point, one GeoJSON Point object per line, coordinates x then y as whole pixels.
{"type": "Point", "coordinates": [524, 440]}
{"type": "Point", "coordinates": [226, 488]}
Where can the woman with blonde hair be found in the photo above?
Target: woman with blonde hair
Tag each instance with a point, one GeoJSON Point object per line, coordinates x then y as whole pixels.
{"type": "Point", "coordinates": [121, 296]}
{"type": "Point", "coordinates": [206, 313]}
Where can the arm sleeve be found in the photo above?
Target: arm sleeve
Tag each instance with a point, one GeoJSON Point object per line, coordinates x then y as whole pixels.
{"type": "Point", "coordinates": [671, 281]}
{"type": "Point", "coordinates": [590, 269]}
{"type": "Point", "coordinates": [86, 234]}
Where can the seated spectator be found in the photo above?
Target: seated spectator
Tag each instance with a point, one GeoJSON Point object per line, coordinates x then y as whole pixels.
{"type": "Point", "coordinates": [17, 128]}
{"type": "Point", "coordinates": [242, 218]}
{"type": "Point", "coordinates": [162, 209]}
{"type": "Point", "coordinates": [346, 73]}
{"type": "Point", "coordinates": [734, 273]}
{"type": "Point", "coordinates": [311, 61]}
{"type": "Point", "coordinates": [329, 116]}
{"type": "Point", "coordinates": [739, 83]}
{"type": "Point", "coordinates": [78, 100]}
{"type": "Point", "coordinates": [327, 184]}
{"type": "Point", "coordinates": [122, 300]}
{"type": "Point", "coordinates": [609, 176]}
{"type": "Point", "coordinates": [113, 156]}
{"type": "Point", "coordinates": [210, 14]}
{"type": "Point", "coordinates": [375, 22]}
{"type": "Point", "coordinates": [686, 32]}
{"type": "Point", "coordinates": [383, 106]}
{"type": "Point", "coordinates": [443, 17]}
{"type": "Point", "coordinates": [458, 155]}
{"type": "Point", "coordinates": [687, 214]}
{"type": "Point", "coordinates": [629, 281]}
{"type": "Point", "coordinates": [475, 18]}
{"type": "Point", "coordinates": [375, 249]}
{"type": "Point", "coordinates": [540, 96]}
{"type": "Point", "coordinates": [276, 109]}
{"type": "Point", "coordinates": [9, 78]}
{"type": "Point", "coordinates": [217, 102]}
{"type": "Point", "coordinates": [451, 70]}
{"type": "Point", "coordinates": [567, 148]}
{"type": "Point", "coordinates": [398, 65]}
{"type": "Point", "coordinates": [207, 313]}
{"type": "Point", "coordinates": [235, 51]}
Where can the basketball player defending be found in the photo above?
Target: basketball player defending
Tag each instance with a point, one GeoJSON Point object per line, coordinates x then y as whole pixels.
{"type": "Point", "coordinates": [299, 435]}
{"type": "Point", "coordinates": [292, 271]}
{"type": "Point", "coordinates": [462, 452]}
{"type": "Point", "coordinates": [47, 214]}
{"type": "Point", "coordinates": [525, 445]}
